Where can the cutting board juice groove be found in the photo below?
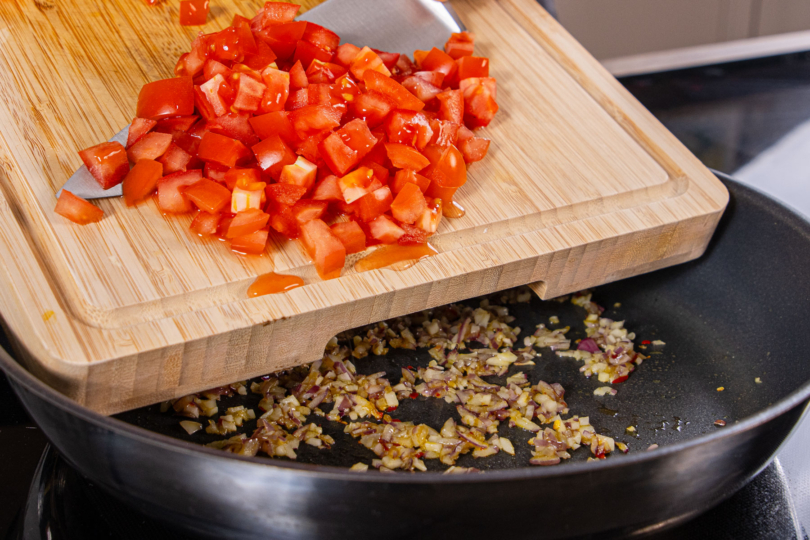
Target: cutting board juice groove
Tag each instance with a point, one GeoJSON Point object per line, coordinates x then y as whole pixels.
{"type": "Point", "coordinates": [581, 186]}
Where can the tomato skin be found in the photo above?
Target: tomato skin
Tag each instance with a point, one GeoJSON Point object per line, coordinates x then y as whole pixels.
{"type": "Point", "coordinates": [150, 146]}
{"type": "Point", "coordinates": [326, 251]}
{"type": "Point", "coordinates": [167, 97]}
{"type": "Point", "coordinates": [283, 38]}
{"type": "Point", "coordinates": [350, 235]}
{"type": "Point", "coordinates": [321, 37]}
{"type": "Point", "coordinates": [251, 244]}
{"type": "Point", "coordinates": [375, 203]}
{"type": "Point", "coordinates": [273, 154]}
{"type": "Point", "coordinates": [170, 191]}
{"type": "Point", "coordinates": [408, 176]}
{"type": "Point", "coordinates": [385, 85]}
{"type": "Point", "coordinates": [275, 123]}
{"type": "Point", "coordinates": [107, 163]}
{"type": "Point", "coordinates": [246, 222]}
{"type": "Point", "coordinates": [365, 60]}
{"type": "Point", "coordinates": [409, 204]}
{"type": "Point", "coordinates": [406, 157]}
{"type": "Point", "coordinates": [472, 66]}
{"type": "Point", "coordinates": [138, 128]}
{"type": "Point", "coordinates": [306, 52]}
{"type": "Point", "coordinates": [77, 209]}
{"type": "Point", "coordinates": [438, 60]}
{"type": "Point", "coordinates": [208, 195]}
{"type": "Point", "coordinates": [141, 181]}
{"type": "Point", "coordinates": [205, 224]}
{"type": "Point", "coordinates": [193, 12]}
{"type": "Point", "coordinates": [447, 168]}
{"type": "Point", "coordinates": [222, 150]}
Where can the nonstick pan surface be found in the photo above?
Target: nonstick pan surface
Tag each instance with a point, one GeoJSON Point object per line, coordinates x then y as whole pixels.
{"type": "Point", "coordinates": [736, 314]}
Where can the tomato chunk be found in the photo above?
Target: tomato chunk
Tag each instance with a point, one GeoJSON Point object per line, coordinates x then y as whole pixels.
{"type": "Point", "coordinates": [273, 154]}
{"type": "Point", "coordinates": [351, 236]}
{"type": "Point", "coordinates": [277, 90]}
{"type": "Point", "coordinates": [287, 194]}
{"type": "Point", "coordinates": [375, 203]}
{"type": "Point", "coordinates": [474, 149]}
{"type": "Point", "coordinates": [252, 244]}
{"type": "Point", "coordinates": [246, 222]}
{"type": "Point", "coordinates": [208, 195]}
{"type": "Point", "coordinates": [275, 123]}
{"type": "Point", "coordinates": [460, 45]}
{"type": "Point", "coordinates": [282, 38]}
{"type": "Point", "coordinates": [308, 209]}
{"type": "Point", "coordinates": [328, 190]}
{"type": "Point", "coordinates": [301, 173]}
{"type": "Point", "coordinates": [326, 251]}
{"type": "Point", "coordinates": [141, 181]}
{"type": "Point", "coordinates": [406, 157]}
{"type": "Point", "coordinates": [452, 106]}
{"type": "Point", "coordinates": [385, 230]}
{"type": "Point", "coordinates": [355, 184]}
{"type": "Point", "coordinates": [409, 204]}
{"type": "Point", "coordinates": [150, 146]}
{"type": "Point", "coordinates": [407, 176]}
{"type": "Point", "coordinates": [472, 66]}
{"type": "Point", "coordinates": [107, 163]}
{"type": "Point", "coordinates": [205, 224]}
{"type": "Point", "coordinates": [377, 82]}
{"type": "Point", "coordinates": [193, 12]}
{"type": "Point", "coordinates": [222, 150]}
{"type": "Point", "coordinates": [138, 128]}
{"type": "Point", "coordinates": [170, 191]}
{"type": "Point", "coordinates": [168, 97]}
{"type": "Point", "coordinates": [77, 209]}
{"type": "Point", "coordinates": [365, 60]}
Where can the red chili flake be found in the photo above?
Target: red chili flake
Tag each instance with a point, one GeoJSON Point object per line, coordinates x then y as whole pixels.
{"type": "Point", "coordinates": [412, 368]}
{"type": "Point", "coordinates": [620, 379]}
{"type": "Point", "coordinates": [413, 395]}
{"type": "Point", "coordinates": [395, 420]}
{"type": "Point", "coordinates": [646, 342]}
{"type": "Point", "coordinates": [720, 423]}
{"type": "Point", "coordinates": [390, 409]}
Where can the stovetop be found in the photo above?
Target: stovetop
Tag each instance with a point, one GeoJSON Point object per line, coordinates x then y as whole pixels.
{"type": "Point", "coordinates": [731, 116]}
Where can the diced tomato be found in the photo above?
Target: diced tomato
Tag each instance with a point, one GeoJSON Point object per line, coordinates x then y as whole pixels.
{"type": "Point", "coordinates": [337, 154]}
{"type": "Point", "coordinates": [380, 173]}
{"type": "Point", "coordinates": [301, 173]}
{"type": "Point", "coordinates": [168, 97]}
{"type": "Point", "coordinates": [365, 60]}
{"type": "Point", "coordinates": [308, 209]}
{"type": "Point", "coordinates": [227, 45]}
{"type": "Point", "coordinates": [273, 154]}
{"type": "Point", "coordinates": [77, 209]}
{"type": "Point", "coordinates": [444, 132]}
{"type": "Point", "coordinates": [176, 124]}
{"type": "Point", "coordinates": [447, 168]}
{"type": "Point", "coordinates": [284, 223]}
{"type": "Point", "coordinates": [355, 184]}
{"type": "Point", "coordinates": [174, 159]}
{"type": "Point", "coordinates": [406, 157]}
{"type": "Point", "coordinates": [298, 77]}
{"type": "Point", "coordinates": [459, 45]}
{"type": "Point", "coordinates": [252, 244]}
{"type": "Point", "coordinates": [205, 224]}
{"type": "Point", "coordinates": [407, 176]}
{"type": "Point", "coordinates": [421, 88]}
{"type": "Point", "coordinates": [138, 128]}
{"type": "Point", "coordinates": [409, 204]}
{"type": "Point", "coordinates": [324, 72]}
{"type": "Point", "coordinates": [263, 57]}
{"type": "Point", "coordinates": [350, 235]}
{"type": "Point", "coordinates": [215, 90]}
{"type": "Point", "coordinates": [321, 37]}
{"type": "Point", "coordinates": [314, 118]}
{"type": "Point", "coordinates": [306, 52]}
{"type": "Point", "coordinates": [190, 64]}
{"type": "Point", "coordinates": [346, 53]}
{"type": "Point", "coordinates": [328, 190]}
{"type": "Point", "coordinates": [375, 203]}
{"type": "Point", "coordinates": [372, 107]}
{"type": "Point", "coordinates": [452, 106]}
{"type": "Point", "coordinates": [419, 57]}
{"type": "Point", "coordinates": [408, 127]}
{"type": "Point", "coordinates": [389, 59]}
{"type": "Point", "coordinates": [474, 149]}
{"type": "Point", "coordinates": [246, 222]}
{"type": "Point", "coordinates": [436, 78]}
{"type": "Point", "coordinates": [247, 196]}
{"type": "Point", "coordinates": [287, 194]}
{"type": "Point", "coordinates": [431, 217]}
{"type": "Point", "coordinates": [224, 222]}
{"type": "Point", "coordinates": [170, 191]}
{"type": "Point", "coordinates": [205, 108]}
{"type": "Point", "coordinates": [208, 195]}
{"type": "Point", "coordinates": [222, 150]}
{"type": "Point", "coordinates": [244, 35]}
{"type": "Point", "coordinates": [249, 93]}
{"type": "Point", "coordinates": [150, 146]}
{"type": "Point", "coordinates": [479, 101]}
{"type": "Point", "coordinates": [241, 177]}
{"type": "Point", "coordinates": [385, 230]}
{"type": "Point", "coordinates": [310, 148]}
{"type": "Point", "coordinates": [298, 99]}
{"type": "Point", "coordinates": [215, 172]}
{"type": "Point", "coordinates": [283, 38]}
{"type": "Point", "coordinates": [141, 181]}
{"type": "Point", "coordinates": [107, 163]}
{"type": "Point", "coordinates": [413, 236]}
{"type": "Point", "coordinates": [275, 123]}
{"type": "Point", "coordinates": [472, 66]}
{"type": "Point", "coordinates": [193, 12]}
{"type": "Point", "coordinates": [404, 67]}
{"type": "Point", "coordinates": [326, 251]}
{"type": "Point", "coordinates": [235, 126]}
{"type": "Point", "coordinates": [385, 85]}
{"type": "Point", "coordinates": [275, 13]}
{"type": "Point", "coordinates": [277, 90]}
{"type": "Point", "coordinates": [437, 60]}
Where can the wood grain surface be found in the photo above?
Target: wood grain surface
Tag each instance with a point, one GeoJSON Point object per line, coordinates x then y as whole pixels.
{"type": "Point", "coordinates": [581, 186]}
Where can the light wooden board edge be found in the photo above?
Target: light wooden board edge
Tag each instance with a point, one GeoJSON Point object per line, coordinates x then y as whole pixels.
{"type": "Point", "coordinates": [108, 385]}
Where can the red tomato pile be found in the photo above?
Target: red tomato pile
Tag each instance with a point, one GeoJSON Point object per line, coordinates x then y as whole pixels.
{"type": "Point", "coordinates": [272, 126]}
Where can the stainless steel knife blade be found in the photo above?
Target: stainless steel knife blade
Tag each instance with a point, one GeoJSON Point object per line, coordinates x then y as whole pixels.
{"type": "Point", "coordinates": [393, 25]}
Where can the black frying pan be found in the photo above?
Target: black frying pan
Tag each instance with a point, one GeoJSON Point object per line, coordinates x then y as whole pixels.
{"type": "Point", "coordinates": [736, 314]}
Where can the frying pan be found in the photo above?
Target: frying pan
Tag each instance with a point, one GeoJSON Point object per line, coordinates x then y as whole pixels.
{"type": "Point", "coordinates": [736, 314]}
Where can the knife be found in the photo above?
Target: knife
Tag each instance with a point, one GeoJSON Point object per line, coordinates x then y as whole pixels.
{"type": "Point", "coordinates": [381, 24]}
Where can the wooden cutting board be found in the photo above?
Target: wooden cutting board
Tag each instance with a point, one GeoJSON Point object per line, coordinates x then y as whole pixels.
{"type": "Point", "coordinates": [581, 186]}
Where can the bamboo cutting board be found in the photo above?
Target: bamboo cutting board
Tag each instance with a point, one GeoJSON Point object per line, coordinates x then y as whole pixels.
{"type": "Point", "coordinates": [581, 186]}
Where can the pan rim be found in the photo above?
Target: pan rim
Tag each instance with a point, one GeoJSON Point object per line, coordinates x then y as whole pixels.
{"type": "Point", "coordinates": [19, 375]}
